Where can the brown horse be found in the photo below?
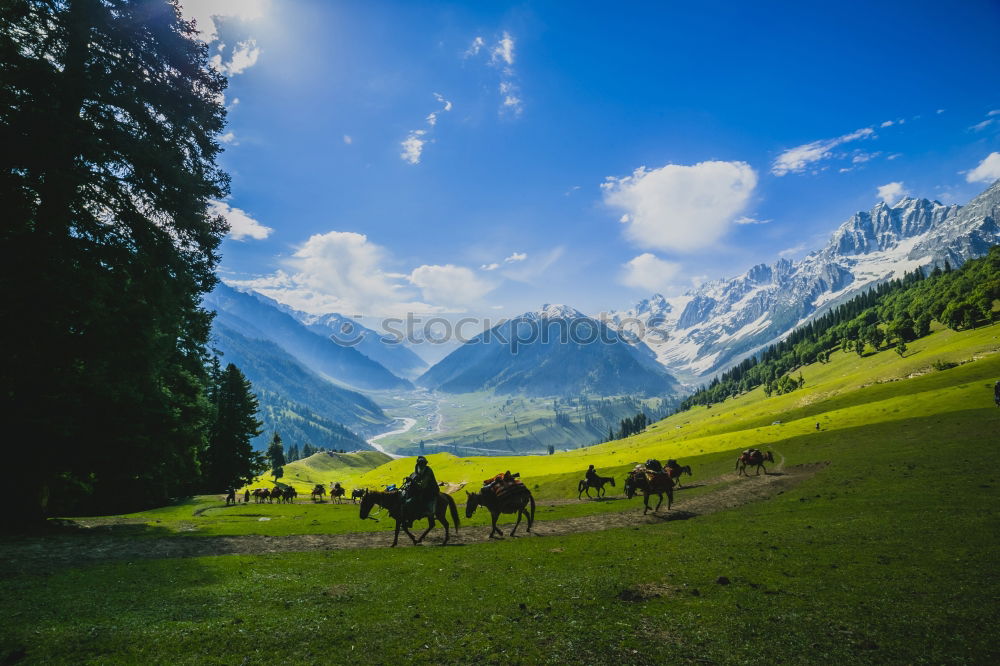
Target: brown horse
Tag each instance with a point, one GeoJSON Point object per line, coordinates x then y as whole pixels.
{"type": "Point", "coordinates": [753, 458]}
{"type": "Point", "coordinates": [357, 493]}
{"type": "Point", "coordinates": [318, 491]}
{"type": "Point", "coordinates": [661, 484]}
{"type": "Point", "coordinates": [513, 502]}
{"type": "Point", "coordinates": [337, 493]}
{"type": "Point", "coordinates": [596, 482]}
{"type": "Point", "coordinates": [675, 472]}
{"type": "Point", "coordinates": [392, 501]}
{"type": "Point", "coordinates": [288, 495]}
{"type": "Point", "coordinates": [261, 495]}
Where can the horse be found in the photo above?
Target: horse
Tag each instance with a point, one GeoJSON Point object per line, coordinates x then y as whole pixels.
{"type": "Point", "coordinates": [357, 493]}
{"type": "Point", "coordinates": [660, 485]}
{"type": "Point", "coordinates": [289, 495]}
{"type": "Point", "coordinates": [260, 495]}
{"type": "Point", "coordinates": [231, 497]}
{"type": "Point", "coordinates": [675, 472]}
{"type": "Point", "coordinates": [318, 491]}
{"type": "Point", "coordinates": [753, 458]}
{"type": "Point", "coordinates": [392, 502]}
{"type": "Point", "coordinates": [513, 502]}
{"type": "Point", "coordinates": [593, 482]}
{"type": "Point", "coordinates": [337, 493]}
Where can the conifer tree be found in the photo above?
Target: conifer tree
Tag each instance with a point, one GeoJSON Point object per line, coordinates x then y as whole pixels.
{"type": "Point", "coordinates": [230, 459]}
{"type": "Point", "coordinates": [276, 457]}
{"type": "Point", "coordinates": [109, 115]}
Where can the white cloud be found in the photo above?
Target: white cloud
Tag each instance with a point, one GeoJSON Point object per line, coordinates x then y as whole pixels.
{"type": "Point", "coordinates": [477, 44]}
{"type": "Point", "coordinates": [681, 207]}
{"type": "Point", "coordinates": [439, 97]}
{"type": "Point", "coordinates": [228, 137]}
{"type": "Point", "coordinates": [994, 112]}
{"type": "Point", "coordinates": [649, 272]}
{"type": "Point", "coordinates": [512, 259]}
{"type": "Point", "coordinates": [454, 287]}
{"type": "Point", "coordinates": [501, 56]}
{"type": "Point", "coordinates": [981, 126]}
{"type": "Point", "coordinates": [987, 171]}
{"type": "Point", "coordinates": [241, 225]}
{"type": "Point", "coordinates": [861, 157]}
{"type": "Point", "coordinates": [348, 140]}
{"type": "Point", "coordinates": [504, 50]}
{"type": "Point", "coordinates": [797, 159]}
{"type": "Point", "coordinates": [750, 220]}
{"type": "Point", "coordinates": [892, 192]}
{"type": "Point", "coordinates": [205, 13]}
{"type": "Point", "coordinates": [894, 156]}
{"type": "Point", "coordinates": [413, 146]}
{"type": "Point", "coordinates": [528, 270]}
{"type": "Point", "coordinates": [939, 111]}
{"type": "Point", "coordinates": [887, 123]}
{"type": "Point", "coordinates": [792, 251]}
{"type": "Point", "coordinates": [338, 271]}
{"type": "Point", "coordinates": [509, 98]}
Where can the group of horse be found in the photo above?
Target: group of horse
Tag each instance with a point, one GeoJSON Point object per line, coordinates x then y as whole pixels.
{"type": "Point", "coordinates": [520, 502]}
{"type": "Point", "coordinates": [338, 493]}
{"type": "Point", "coordinates": [262, 495]}
{"type": "Point", "coordinates": [640, 480]}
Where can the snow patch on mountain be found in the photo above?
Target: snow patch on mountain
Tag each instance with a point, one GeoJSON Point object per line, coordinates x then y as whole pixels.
{"type": "Point", "coordinates": [714, 326]}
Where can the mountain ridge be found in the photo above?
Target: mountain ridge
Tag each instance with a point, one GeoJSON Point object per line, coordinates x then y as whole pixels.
{"type": "Point", "coordinates": [714, 326]}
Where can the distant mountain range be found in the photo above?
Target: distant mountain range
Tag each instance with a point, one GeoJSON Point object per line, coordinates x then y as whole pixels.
{"type": "Point", "coordinates": [710, 328]}
{"type": "Point", "coordinates": [262, 317]}
{"type": "Point", "coordinates": [555, 351]}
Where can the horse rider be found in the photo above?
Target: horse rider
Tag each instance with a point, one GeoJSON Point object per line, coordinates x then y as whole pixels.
{"type": "Point", "coordinates": [420, 492]}
{"type": "Point", "coordinates": [996, 393]}
{"type": "Point", "coordinates": [231, 496]}
{"type": "Point", "coordinates": [246, 496]}
{"type": "Point", "coordinates": [591, 475]}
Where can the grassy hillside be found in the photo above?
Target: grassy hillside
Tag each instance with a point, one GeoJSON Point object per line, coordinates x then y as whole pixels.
{"type": "Point", "coordinates": [325, 468]}
{"type": "Point", "coordinates": [885, 552]}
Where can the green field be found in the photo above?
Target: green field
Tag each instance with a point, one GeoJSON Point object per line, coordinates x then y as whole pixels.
{"type": "Point", "coordinates": [485, 423]}
{"type": "Point", "coordinates": [877, 543]}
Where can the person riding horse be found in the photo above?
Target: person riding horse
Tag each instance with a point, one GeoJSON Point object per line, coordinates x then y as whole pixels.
{"type": "Point", "coordinates": [420, 492]}
{"type": "Point", "coordinates": [592, 475]}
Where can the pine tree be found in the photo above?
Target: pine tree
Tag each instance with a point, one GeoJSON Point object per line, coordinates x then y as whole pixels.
{"type": "Point", "coordinates": [108, 119]}
{"type": "Point", "coordinates": [230, 460]}
{"type": "Point", "coordinates": [276, 457]}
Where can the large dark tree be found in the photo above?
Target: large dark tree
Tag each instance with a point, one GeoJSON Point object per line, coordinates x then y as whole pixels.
{"type": "Point", "coordinates": [230, 460]}
{"type": "Point", "coordinates": [108, 119]}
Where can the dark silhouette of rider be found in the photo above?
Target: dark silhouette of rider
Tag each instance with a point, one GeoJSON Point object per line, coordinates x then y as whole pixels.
{"type": "Point", "coordinates": [591, 474]}
{"type": "Point", "coordinates": [996, 393]}
{"type": "Point", "coordinates": [420, 491]}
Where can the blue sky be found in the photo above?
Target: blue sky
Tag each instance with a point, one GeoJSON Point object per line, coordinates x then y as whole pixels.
{"type": "Point", "coordinates": [489, 157]}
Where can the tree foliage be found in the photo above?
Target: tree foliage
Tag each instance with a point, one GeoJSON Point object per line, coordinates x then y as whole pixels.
{"type": "Point", "coordinates": [230, 460]}
{"type": "Point", "coordinates": [108, 119]}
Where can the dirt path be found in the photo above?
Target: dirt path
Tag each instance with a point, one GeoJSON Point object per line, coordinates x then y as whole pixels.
{"type": "Point", "coordinates": [41, 554]}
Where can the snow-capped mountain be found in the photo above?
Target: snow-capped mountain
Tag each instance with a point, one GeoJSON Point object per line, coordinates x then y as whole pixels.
{"type": "Point", "coordinates": [719, 323]}
{"type": "Point", "coordinates": [556, 350]}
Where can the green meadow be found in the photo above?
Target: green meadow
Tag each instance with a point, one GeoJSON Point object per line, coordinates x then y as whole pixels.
{"type": "Point", "coordinates": [886, 551]}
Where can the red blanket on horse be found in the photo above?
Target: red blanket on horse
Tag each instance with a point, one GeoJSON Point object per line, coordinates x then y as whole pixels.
{"type": "Point", "coordinates": [504, 484]}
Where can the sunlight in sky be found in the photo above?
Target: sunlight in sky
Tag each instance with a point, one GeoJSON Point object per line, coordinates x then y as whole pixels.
{"type": "Point", "coordinates": [390, 157]}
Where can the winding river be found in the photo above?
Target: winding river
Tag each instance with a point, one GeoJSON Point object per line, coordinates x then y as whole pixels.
{"type": "Point", "coordinates": [407, 424]}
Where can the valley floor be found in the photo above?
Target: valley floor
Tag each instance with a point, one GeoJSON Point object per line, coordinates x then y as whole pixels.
{"type": "Point", "coordinates": [875, 540]}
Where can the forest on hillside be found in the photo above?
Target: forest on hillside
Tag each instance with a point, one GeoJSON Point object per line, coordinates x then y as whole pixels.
{"type": "Point", "coordinates": [890, 315]}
